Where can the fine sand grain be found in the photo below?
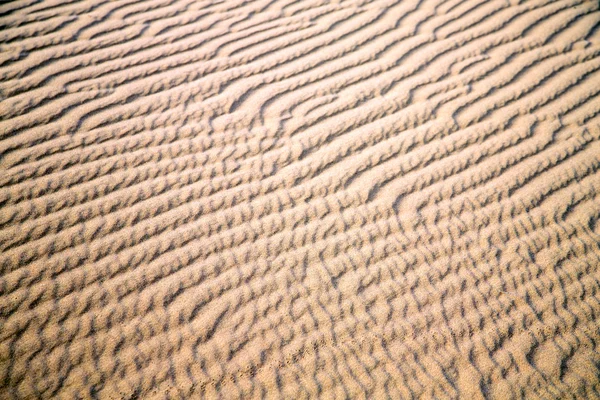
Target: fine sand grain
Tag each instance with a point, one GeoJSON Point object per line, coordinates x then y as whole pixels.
{"type": "Point", "coordinates": [300, 199]}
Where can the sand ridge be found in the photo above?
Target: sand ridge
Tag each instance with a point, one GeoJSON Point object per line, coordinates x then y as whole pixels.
{"type": "Point", "coordinates": [300, 199]}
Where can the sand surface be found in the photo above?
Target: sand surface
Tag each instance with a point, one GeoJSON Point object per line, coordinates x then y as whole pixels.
{"type": "Point", "coordinates": [300, 199]}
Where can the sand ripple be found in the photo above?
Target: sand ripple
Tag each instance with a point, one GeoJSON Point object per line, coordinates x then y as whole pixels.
{"type": "Point", "coordinates": [300, 199]}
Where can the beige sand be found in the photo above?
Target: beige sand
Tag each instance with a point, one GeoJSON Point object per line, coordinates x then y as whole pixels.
{"type": "Point", "coordinates": [300, 199]}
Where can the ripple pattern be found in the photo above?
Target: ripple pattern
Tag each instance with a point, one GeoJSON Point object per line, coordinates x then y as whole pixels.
{"type": "Point", "coordinates": [300, 199]}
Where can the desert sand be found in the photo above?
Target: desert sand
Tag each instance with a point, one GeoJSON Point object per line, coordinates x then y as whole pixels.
{"type": "Point", "coordinates": [300, 199]}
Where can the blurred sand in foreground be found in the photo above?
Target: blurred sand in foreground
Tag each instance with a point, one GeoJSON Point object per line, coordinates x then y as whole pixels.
{"type": "Point", "coordinates": [300, 199]}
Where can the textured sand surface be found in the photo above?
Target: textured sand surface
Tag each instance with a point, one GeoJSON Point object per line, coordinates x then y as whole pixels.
{"type": "Point", "coordinates": [300, 199]}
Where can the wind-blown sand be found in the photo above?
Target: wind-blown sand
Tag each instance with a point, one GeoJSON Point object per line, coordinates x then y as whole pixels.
{"type": "Point", "coordinates": [300, 199]}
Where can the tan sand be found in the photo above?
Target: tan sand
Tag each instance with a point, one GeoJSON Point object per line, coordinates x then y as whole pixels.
{"type": "Point", "coordinates": [300, 199]}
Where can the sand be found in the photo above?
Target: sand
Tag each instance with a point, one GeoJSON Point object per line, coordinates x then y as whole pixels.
{"type": "Point", "coordinates": [300, 199]}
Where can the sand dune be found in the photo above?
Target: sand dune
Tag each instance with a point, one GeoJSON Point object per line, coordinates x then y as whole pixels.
{"type": "Point", "coordinates": [300, 199]}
